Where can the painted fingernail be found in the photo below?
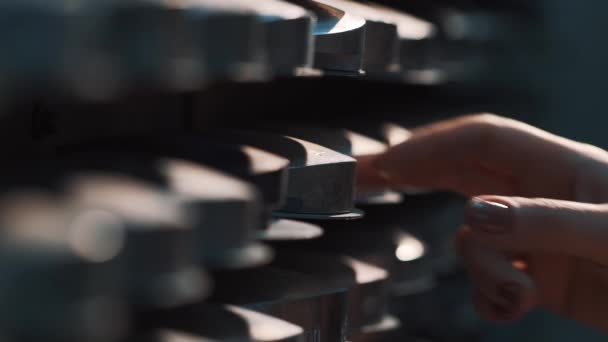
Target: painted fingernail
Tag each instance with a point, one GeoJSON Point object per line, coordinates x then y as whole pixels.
{"type": "Point", "coordinates": [491, 217]}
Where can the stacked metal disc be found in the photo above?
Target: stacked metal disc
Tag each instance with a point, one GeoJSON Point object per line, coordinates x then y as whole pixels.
{"type": "Point", "coordinates": [224, 215]}
{"type": "Point", "coordinates": [101, 50]}
{"type": "Point", "coordinates": [147, 223]}
{"type": "Point", "coordinates": [91, 248]}
{"type": "Point", "coordinates": [389, 260]}
{"type": "Point", "coordinates": [57, 283]}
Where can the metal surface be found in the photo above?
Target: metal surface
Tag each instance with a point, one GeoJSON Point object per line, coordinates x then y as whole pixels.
{"type": "Point", "coordinates": [368, 302]}
{"type": "Point", "coordinates": [338, 139]}
{"type": "Point", "coordinates": [288, 33]}
{"type": "Point", "coordinates": [320, 181]}
{"type": "Point", "coordinates": [150, 44]}
{"type": "Point", "coordinates": [381, 54]}
{"type": "Point", "coordinates": [382, 239]}
{"type": "Point", "coordinates": [233, 40]}
{"type": "Point", "coordinates": [94, 50]}
{"type": "Point", "coordinates": [339, 38]}
{"type": "Point", "coordinates": [100, 50]}
{"type": "Point", "coordinates": [344, 141]}
{"type": "Point", "coordinates": [267, 171]}
{"type": "Point", "coordinates": [205, 321]}
{"type": "Point", "coordinates": [227, 323]}
{"type": "Point", "coordinates": [186, 34]}
{"type": "Point", "coordinates": [318, 307]}
{"type": "Point", "coordinates": [384, 244]}
{"type": "Point", "coordinates": [168, 335]}
{"type": "Point", "coordinates": [208, 322]}
{"type": "Point", "coordinates": [58, 279]}
{"type": "Point", "coordinates": [157, 259]}
{"type": "Point", "coordinates": [223, 210]}
{"type": "Point", "coordinates": [416, 38]}
{"type": "Point", "coordinates": [227, 210]}
{"type": "Point", "coordinates": [388, 329]}
{"type": "Point", "coordinates": [367, 285]}
{"type": "Point", "coordinates": [381, 49]}
{"type": "Point", "coordinates": [264, 328]}
{"type": "Point", "coordinates": [290, 230]}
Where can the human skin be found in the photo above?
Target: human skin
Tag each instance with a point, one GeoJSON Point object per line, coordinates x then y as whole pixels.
{"type": "Point", "coordinates": [536, 227]}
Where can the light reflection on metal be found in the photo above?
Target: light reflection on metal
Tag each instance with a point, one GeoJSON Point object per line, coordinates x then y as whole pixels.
{"type": "Point", "coordinates": [264, 328]}
{"type": "Point", "coordinates": [426, 76]}
{"type": "Point", "coordinates": [384, 30]}
{"type": "Point", "coordinates": [364, 272]}
{"type": "Point", "coordinates": [94, 235]}
{"type": "Point", "coordinates": [382, 197]}
{"type": "Point", "coordinates": [408, 26]}
{"type": "Point", "coordinates": [226, 209]}
{"type": "Point", "coordinates": [97, 235]}
{"type": "Point", "coordinates": [175, 336]}
{"type": "Point", "coordinates": [193, 180]}
{"type": "Point", "coordinates": [315, 304]}
{"type": "Point", "coordinates": [157, 256]}
{"type": "Point", "coordinates": [387, 323]}
{"type": "Point", "coordinates": [362, 145]}
{"type": "Point", "coordinates": [43, 267]}
{"type": "Point", "coordinates": [410, 248]}
{"type": "Point", "coordinates": [344, 141]}
{"type": "Point", "coordinates": [129, 198]}
{"type": "Point", "coordinates": [395, 134]}
{"type": "Point", "coordinates": [320, 180]}
{"type": "Point", "coordinates": [270, 9]}
{"type": "Point", "coordinates": [290, 230]}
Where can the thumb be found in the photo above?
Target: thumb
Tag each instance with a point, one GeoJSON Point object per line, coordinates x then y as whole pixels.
{"type": "Point", "coordinates": [523, 225]}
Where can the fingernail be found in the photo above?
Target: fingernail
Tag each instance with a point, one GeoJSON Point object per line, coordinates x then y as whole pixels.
{"type": "Point", "coordinates": [491, 217]}
{"type": "Point", "coordinates": [510, 293]}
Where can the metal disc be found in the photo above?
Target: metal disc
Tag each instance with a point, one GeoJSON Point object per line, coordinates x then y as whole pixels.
{"type": "Point", "coordinates": [353, 215]}
{"type": "Point", "coordinates": [290, 230]}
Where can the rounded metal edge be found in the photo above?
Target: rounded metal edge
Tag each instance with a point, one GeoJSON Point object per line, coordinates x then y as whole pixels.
{"type": "Point", "coordinates": [290, 230]}
{"type": "Point", "coordinates": [382, 198]}
{"type": "Point", "coordinates": [354, 214]}
{"type": "Point", "coordinates": [252, 255]}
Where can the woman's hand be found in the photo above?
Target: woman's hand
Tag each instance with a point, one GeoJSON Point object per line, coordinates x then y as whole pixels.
{"type": "Point", "coordinates": [548, 246]}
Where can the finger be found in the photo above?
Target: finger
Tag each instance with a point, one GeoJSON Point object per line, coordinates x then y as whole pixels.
{"type": "Point", "coordinates": [553, 272]}
{"type": "Point", "coordinates": [472, 184]}
{"type": "Point", "coordinates": [487, 309]}
{"type": "Point", "coordinates": [477, 145]}
{"type": "Point", "coordinates": [510, 290]}
{"type": "Point", "coordinates": [521, 225]}
{"type": "Point", "coordinates": [370, 179]}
